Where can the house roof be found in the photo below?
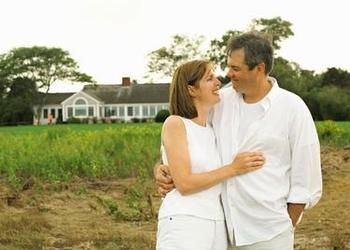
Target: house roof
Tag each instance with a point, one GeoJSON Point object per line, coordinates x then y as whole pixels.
{"type": "Point", "coordinates": [52, 98]}
{"type": "Point", "coordinates": [135, 93]}
{"type": "Point", "coordinates": [118, 94]}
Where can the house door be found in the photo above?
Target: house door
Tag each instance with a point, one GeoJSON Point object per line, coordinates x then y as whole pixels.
{"type": "Point", "coordinates": [59, 116]}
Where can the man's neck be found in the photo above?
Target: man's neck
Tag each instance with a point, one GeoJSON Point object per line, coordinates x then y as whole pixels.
{"type": "Point", "coordinates": [259, 91]}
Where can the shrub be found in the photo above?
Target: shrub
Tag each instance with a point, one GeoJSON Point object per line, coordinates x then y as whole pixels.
{"type": "Point", "coordinates": [73, 120]}
{"type": "Point", "coordinates": [162, 115]}
{"type": "Point", "coordinates": [329, 131]}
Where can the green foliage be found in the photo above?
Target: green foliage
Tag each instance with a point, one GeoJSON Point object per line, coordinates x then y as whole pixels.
{"type": "Point", "coordinates": [162, 115]}
{"type": "Point", "coordinates": [278, 28]}
{"type": "Point", "coordinates": [42, 65]}
{"type": "Point", "coordinates": [330, 103]}
{"type": "Point", "coordinates": [110, 205]}
{"type": "Point", "coordinates": [336, 77]}
{"type": "Point", "coordinates": [60, 152]}
{"type": "Point", "coordinates": [165, 60]}
{"type": "Point", "coordinates": [288, 75]}
{"type": "Point", "coordinates": [329, 132]}
{"type": "Point", "coordinates": [74, 120]}
{"type": "Point", "coordinates": [16, 106]}
{"type": "Point", "coordinates": [217, 51]}
{"type": "Point", "coordinates": [138, 198]}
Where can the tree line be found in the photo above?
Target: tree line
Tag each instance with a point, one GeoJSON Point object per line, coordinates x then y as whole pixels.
{"type": "Point", "coordinates": [26, 71]}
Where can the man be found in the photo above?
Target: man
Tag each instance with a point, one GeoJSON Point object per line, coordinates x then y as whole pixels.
{"type": "Point", "coordinates": [263, 207]}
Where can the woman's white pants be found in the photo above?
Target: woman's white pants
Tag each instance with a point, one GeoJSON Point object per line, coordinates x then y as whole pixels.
{"type": "Point", "coordinates": [186, 232]}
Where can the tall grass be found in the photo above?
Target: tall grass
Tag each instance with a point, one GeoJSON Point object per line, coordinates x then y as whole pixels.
{"type": "Point", "coordinates": [58, 153]}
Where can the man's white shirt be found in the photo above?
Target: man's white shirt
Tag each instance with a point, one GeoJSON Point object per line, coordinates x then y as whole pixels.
{"type": "Point", "coordinates": [256, 203]}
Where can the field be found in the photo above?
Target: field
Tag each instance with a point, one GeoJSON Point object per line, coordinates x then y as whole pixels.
{"type": "Point", "coordinates": [90, 187]}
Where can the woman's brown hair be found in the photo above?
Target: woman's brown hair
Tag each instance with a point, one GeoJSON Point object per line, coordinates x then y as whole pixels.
{"type": "Point", "coordinates": [189, 73]}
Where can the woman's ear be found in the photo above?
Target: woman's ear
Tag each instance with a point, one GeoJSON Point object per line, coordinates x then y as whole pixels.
{"type": "Point", "coordinates": [192, 90]}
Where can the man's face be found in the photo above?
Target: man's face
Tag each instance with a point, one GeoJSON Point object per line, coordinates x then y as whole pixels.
{"type": "Point", "coordinates": [241, 77]}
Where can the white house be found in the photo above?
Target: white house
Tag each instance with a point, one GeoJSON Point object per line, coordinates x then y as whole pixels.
{"type": "Point", "coordinates": [119, 101]}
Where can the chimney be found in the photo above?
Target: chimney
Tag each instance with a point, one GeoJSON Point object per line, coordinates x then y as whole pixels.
{"type": "Point", "coordinates": [126, 81]}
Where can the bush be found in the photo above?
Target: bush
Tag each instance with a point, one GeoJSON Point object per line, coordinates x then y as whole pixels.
{"type": "Point", "coordinates": [73, 120]}
{"type": "Point", "coordinates": [329, 131]}
{"type": "Point", "coordinates": [162, 115]}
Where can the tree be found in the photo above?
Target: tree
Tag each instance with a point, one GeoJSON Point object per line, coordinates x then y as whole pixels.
{"type": "Point", "coordinates": [336, 77]}
{"type": "Point", "coordinates": [278, 28]}
{"type": "Point", "coordinates": [41, 65]}
{"type": "Point", "coordinates": [288, 75]}
{"type": "Point", "coordinates": [217, 51]}
{"type": "Point", "coordinates": [17, 106]}
{"type": "Point", "coordinates": [165, 60]}
{"type": "Point", "coordinates": [333, 103]}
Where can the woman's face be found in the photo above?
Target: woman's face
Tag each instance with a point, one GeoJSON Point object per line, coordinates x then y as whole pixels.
{"type": "Point", "coordinates": [208, 91]}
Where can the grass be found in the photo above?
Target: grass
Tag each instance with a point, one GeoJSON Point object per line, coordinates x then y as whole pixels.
{"type": "Point", "coordinates": [24, 130]}
{"type": "Point", "coordinates": [57, 153]}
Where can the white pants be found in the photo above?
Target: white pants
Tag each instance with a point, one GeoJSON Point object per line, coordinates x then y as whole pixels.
{"type": "Point", "coordinates": [283, 241]}
{"type": "Point", "coordinates": [185, 232]}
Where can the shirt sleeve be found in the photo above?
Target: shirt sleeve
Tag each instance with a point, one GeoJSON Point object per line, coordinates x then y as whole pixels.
{"type": "Point", "coordinates": [306, 176]}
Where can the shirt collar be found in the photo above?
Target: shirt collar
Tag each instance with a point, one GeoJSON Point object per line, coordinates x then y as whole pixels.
{"type": "Point", "coordinates": [265, 103]}
{"type": "Point", "coordinates": [271, 95]}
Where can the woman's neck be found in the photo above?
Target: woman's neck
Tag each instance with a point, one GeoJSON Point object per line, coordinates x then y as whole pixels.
{"type": "Point", "coordinates": [202, 112]}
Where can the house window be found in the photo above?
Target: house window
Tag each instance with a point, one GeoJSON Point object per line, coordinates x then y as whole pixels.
{"type": "Point", "coordinates": [152, 110]}
{"type": "Point", "coordinates": [112, 111]}
{"type": "Point", "coordinates": [107, 111]}
{"type": "Point", "coordinates": [121, 111]}
{"type": "Point", "coordinates": [80, 108]}
{"type": "Point", "coordinates": [80, 102]}
{"type": "Point", "coordinates": [137, 110]}
{"type": "Point", "coordinates": [45, 113]}
{"type": "Point", "coordinates": [70, 112]}
{"type": "Point", "coordinates": [130, 111]}
{"type": "Point", "coordinates": [145, 110]}
{"type": "Point", "coordinates": [91, 111]}
{"type": "Point", "coordinates": [115, 111]}
{"type": "Point", "coordinates": [80, 111]}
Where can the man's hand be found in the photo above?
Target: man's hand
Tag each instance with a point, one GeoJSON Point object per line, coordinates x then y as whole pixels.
{"type": "Point", "coordinates": [163, 179]}
{"type": "Point", "coordinates": [295, 211]}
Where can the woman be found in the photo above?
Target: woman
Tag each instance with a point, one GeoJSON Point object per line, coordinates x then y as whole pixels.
{"type": "Point", "coordinates": [191, 216]}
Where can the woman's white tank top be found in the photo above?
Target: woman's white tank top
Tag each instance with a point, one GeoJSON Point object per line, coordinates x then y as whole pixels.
{"type": "Point", "coordinates": [204, 157]}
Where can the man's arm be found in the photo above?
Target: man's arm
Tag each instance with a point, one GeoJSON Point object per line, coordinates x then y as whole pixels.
{"type": "Point", "coordinates": [306, 178]}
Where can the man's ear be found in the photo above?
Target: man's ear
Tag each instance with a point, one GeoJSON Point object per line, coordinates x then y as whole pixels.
{"type": "Point", "coordinates": [261, 67]}
{"type": "Point", "coordinates": [192, 90]}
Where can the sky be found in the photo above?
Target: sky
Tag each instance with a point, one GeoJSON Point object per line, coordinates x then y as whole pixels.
{"type": "Point", "coordinates": [111, 39]}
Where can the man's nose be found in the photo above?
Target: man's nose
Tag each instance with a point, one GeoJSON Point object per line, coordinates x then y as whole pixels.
{"type": "Point", "coordinates": [218, 82]}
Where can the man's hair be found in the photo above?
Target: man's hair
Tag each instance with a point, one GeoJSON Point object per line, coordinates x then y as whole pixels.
{"type": "Point", "coordinates": [257, 49]}
{"type": "Point", "coordinates": [189, 73]}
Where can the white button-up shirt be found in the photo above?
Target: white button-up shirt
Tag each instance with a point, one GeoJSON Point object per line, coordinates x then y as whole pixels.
{"type": "Point", "coordinates": [256, 203]}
